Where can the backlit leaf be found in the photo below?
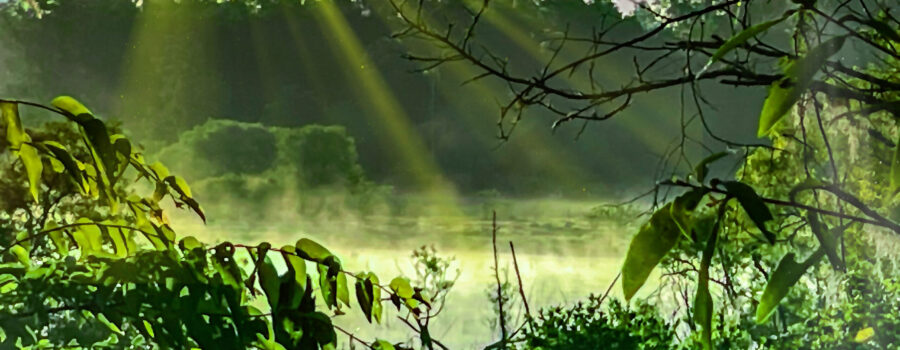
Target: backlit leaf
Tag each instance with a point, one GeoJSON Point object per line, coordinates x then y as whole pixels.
{"type": "Point", "coordinates": [753, 204]}
{"type": "Point", "coordinates": [382, 345]}
{"type": "Point", "coordinates": [310, 250]}
{"type": "Point", "coordinates": [21, 254]}
{"type": "Point", "coordinates": [33, 168]}
{"type": "Point", "coordinates": [70, 105]}
{"type": "Point", "coordinates": [784, 93]}
{"type": "Point", "coordinates": [786, 274]}
{"type": "Point", "coordinates": [69, 163]}
{"type": "Point", "coordinates": [702, 169]}
{"type": "Point", "coordinates": [647, 248]}
{"type": "Point", "coordinates": [742, 37]}
{"type": "Point", "coordinates": [703, 303]}
{"type": "Point", "coordinates": [401, 287]}
{"type": "Point", "coordinates": [864, 335]}
{"type": "Point", "coordinates": [682, 208]}
{"type": "Point", "coordinates": [268, 280]}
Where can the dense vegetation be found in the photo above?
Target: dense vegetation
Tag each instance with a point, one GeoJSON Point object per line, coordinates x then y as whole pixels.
{"type": "Point", "coordinates": [740, 256]}
{"type": "Point", "coordinates": [796, 248]}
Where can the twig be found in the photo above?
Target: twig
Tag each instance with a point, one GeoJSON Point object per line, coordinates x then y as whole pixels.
{"type": "Point", "coordinates": [497, 277]}
{"type": "Point", "coordinates": [609, 289]}
{"type": "Point", "coordinates": [519, 278]}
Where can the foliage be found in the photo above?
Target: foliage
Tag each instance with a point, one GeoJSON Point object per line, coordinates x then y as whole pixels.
{"type": "Point", "coordinates": [820, 184]}
{"type": "Point", "coordinates": [591, 325]}
{"type": "Point", "coordinates": [116, 275]}
{"type": "Point", "coordinates": [223, 147]}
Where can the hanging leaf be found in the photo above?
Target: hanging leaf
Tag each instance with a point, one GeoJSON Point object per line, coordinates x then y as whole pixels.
{"type": "Point", "coordinates": [102, 148]}
{"type": "Point", "coordinates": [69, 163]}
{"type": "Point", "coordinates": [180, 186]}
{"type": "Point", "coordinates": [190, 243]}
{"type": "Point", "coordinates": [864, 335]}
{"type": "Point", "coordinates": [368, 295]}
{"type": "Point", "coordinates": [703, 303]}
{"type": "Point", "coordinates": [58, 238]}
{"type": "Point", "coordinates": [742, 37]}
{"type": "Point", "coordinates": [19, 140]}
{"type": "Point", "coordinates": [401, 287]}
{"type": "Point", "coordinates": [647, 248]}
{"type": "Point", "coordinates": [268, 280]}
{"type": "Point", "coordinates": [784, 93]}
{"type": "Point", "coordinates": [329, 270]}
{"type": "Point", "coordinates": [786, 274]}
{"type": "Point", "coordinates": [682, 209]}
{"type": "Point", "coordinates": [310, 250]}
{"type": "Point", "coordinates": [702, 169]}
{"type": "Point", "coordinates": [752, 204]}
{"type": "Point", "coordinates": [160, 170]}
{"type": "Point", "coordinates": [296, 266]}
{"type": "Point", "coordinates": [70, 105]}
{"type": "Point", "coordinates": [342, 289]}
{"type": "Point", "coordinates": [827, 240]}
{"type": "Point", "coordinates": [118, 238]}
{"type": "Point", "coordinates": [21, 254]}
{"type": "Point", "coordinates": [33, 168]}
{"type": "Point", "coordinates": [382, 345]}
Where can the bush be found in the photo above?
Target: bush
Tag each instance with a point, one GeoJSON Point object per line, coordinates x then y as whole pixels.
{"type": "Point", "coordinates": [222, 147]}
{"type": "Point", "coordinates": [588, 326]}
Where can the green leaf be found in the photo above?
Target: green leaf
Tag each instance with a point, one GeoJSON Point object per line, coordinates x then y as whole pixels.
{"type": "Point", "coordinates": [329, 271]}
{"type": "Point", "coordinates": [58, 238]}
{"type": "Point", "coordinates": [786, 274]}
{"type": "Point", "coordinates": [752, 204]}
{"type": "Point", "coordinates": [268, 280]}
{"type": "Point", "coordinates": [190, 243]}
{"type": "Point", "coordinates": [827, 241]}
{"type": "Point", "coordinates": [647, 248]}
{"type": "Point", "coordinates": [382, 345]}
{"type": "Point", "coordinates": [368, 295]}
{"type": "Point", "coordinates": [160, 170]}
{"type": "Point", "coordinates": [742, 37]}
{"type": "Point", "coordinates": [119, 240]}
{"type": "Point", "coordinates": [70, 105]}
{"type": "Point", "coordinates": [112, 326]}
{"type": "Point", "coordinates": [21, 254]}
{"type": "Point", "coordinates": [702, 169]}
{"type": "Point", "coordinates": [784, 93]}
{"type": "Point", "coordinates": [33, 168]}
{"type": "Point", "coordinates": [296, 266]}
{"type": "Point", "coordinates": [342, 289]}
{"type": "Point", "coordinates": [401, 287]}
{"type": "Point", "coordinates": [703, 303]}
{"type": "Point", "coordinates": [310, 250]}
{"type": "Point", "coordinates": [88, 237]}
{"type": "Point", "coordinates": [69, 163]}
{"type": "Point", "coordinates": [19, 141]}
{"type": "Point", "coordinates": [180, 186]}
{"type": "Point", "coordinates": [682, 208]}
{"type": "Point", "coordinates": [864, 335]}
{"type": "Point", "coordinates": [102, 148]}
{"type": "Point", "coordinates": [15, 132]}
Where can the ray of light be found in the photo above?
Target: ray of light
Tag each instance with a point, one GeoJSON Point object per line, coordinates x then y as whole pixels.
{"type": "Point", "coordinates": [166, 71]}
{"type": "Point", "coordinates": [539, 148]}
{"type": "Point", "coordinates": [647, 134]}
{"type": "Point", "coordinates": [391, 120]}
